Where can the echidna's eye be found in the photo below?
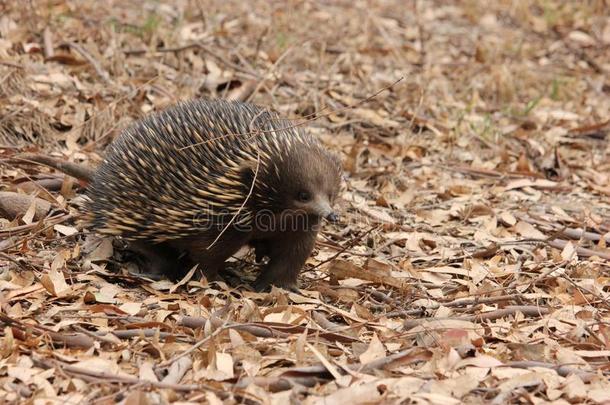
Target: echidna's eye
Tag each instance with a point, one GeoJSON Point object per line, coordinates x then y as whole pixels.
{"type": "Point", "coordinates": [304, 196]}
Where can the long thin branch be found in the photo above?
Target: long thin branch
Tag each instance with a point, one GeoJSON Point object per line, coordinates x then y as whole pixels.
{"type": "Point", "coordinates": [527, 310]}
{"type": "Point", "coordinates": [98, 68]}
{"type": "Point", "coordinates": [123, 379]}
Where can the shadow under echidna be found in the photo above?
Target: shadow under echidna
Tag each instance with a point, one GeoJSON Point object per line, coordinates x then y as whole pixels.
{"type": "Point", "coordinates": [207, 177]}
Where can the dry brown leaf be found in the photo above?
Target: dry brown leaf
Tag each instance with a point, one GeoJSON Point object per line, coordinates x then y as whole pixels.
{"type": "Point", "coordinates": [375, 351]}
{"type": "Point", "coordinates": [55, 283]}
{"type": "Point", "coordinates": [65, 230]}
{"type": "Point", "coordinates": [529, 231]}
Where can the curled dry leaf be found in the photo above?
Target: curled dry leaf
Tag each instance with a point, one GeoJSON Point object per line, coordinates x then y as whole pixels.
{"type": "Point", "coordinates": [55, 283]}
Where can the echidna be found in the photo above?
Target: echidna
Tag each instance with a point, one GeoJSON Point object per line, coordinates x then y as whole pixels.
{"type": "Point", "coordinates": [207, 177]}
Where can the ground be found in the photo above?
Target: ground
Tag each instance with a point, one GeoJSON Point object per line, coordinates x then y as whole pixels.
{"type": "Point", "coordinates": [470, 264]}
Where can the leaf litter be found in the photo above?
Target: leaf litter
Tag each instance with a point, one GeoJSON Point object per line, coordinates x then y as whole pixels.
{"type": "Point", "coordinates": [471, 262]}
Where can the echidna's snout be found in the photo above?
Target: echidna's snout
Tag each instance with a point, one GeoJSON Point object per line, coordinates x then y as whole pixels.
{"type": "Point", "coordinates": [325, 210]}
{"type": "Point", "coordinates": [332, 217]}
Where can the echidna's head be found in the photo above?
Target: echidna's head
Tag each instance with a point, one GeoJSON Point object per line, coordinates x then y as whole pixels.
{"type": "Point", "coordinates": [312, 183]}
{"type": "Point", "coordinates": [305, 180]}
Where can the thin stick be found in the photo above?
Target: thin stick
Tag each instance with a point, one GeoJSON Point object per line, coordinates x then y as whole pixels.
{"type": "Point", "coordinates": [196, 346]}
{"type": "Point", "coordinates": [115, 102]}
{"type": "Point", "coordinates": [102, 376]}
{"type": "Point", "coordinates": [269, 71]}
{"type": "Point", "coordinates": [47, 37]}
{"type": "Point", "coordinates": [345, 248]}
{"type": "Point", "coordinates": [308, 119]}
{"type": "Point", "coordinates": [98, 68]}
{"type": "Point", "coordinates": [78, 171]}
{"type": "Point", "coordinates": [243, 204]}
{"type": "Point", "coordinates": [54, 221]}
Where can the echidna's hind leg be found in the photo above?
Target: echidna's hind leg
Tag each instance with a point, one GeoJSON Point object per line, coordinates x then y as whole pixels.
{"type": "Point", "coordinates": [210, 267]}
{"type": "Point", "coordinates": [212, 256]}
{"type": "Point", "coordinates": [287, 254]}
{"type": "Point", "coordinates": [156, 260]}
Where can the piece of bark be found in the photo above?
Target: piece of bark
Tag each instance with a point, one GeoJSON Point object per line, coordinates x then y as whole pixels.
{"type": "Point", "coordinates": [13, 205]}
{"type": "Point", "coordinates": [79, 171]}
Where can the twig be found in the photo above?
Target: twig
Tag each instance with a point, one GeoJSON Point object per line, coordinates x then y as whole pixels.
{"type": "Point", "coordinates": [98, 68]}
{"type": "Point", "coordinates": [123, 379]}
{"type": "Point", "coordinates": [573, 233]}
{"type": "Point", "coordinates": [489, 173]}
{"type": "Point", "coordinates": [107, 107]}
{"type": "Point", "coordinates": [148, 332]}
{"type": "Point", "coordinates": [580, 251]}
{"type": "Point", "coordinates": [76, 340]}
{"type": "Point", "coordinates": [76, 170]}
{"type": "Point", "coordinates": [161, 50]}
{"type": "Point", "coordinates": [402, 358]}
{"type": "Point", "coordinates": [460, 302]}
{"type": "Point", "coordinates": [243, 204]}
{"type": "Point", "coordinates": [347, 246]}
{"type": "Point", "coordinates": [227, 62]}
{"type": "Point", "coordinates": [267, 329]}
{"type": "Point", "coordinates": [308, 118]}
{"type": "Point", "coordinates": [101, 338]}
{"type": "Point", "coordinates": [52, 221]}
{"type": "Point", "coordinates": [311, 375]}
{"type": "Point", "coordinates": [261, 82]}
{"type": "Point", "coordinates": [47, 40]}
{"type": "Point", "coordinates": [194, 347]}
{"type": "Point", "coordinates": [563, 370]}
{"type": "Point", "coordinates": [11, 64]}
{"type": "Point", "coordinates": [527, 310]}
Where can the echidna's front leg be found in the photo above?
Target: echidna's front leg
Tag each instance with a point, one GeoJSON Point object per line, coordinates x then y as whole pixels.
{"type": "Point", "coordinates": [287, 254]}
